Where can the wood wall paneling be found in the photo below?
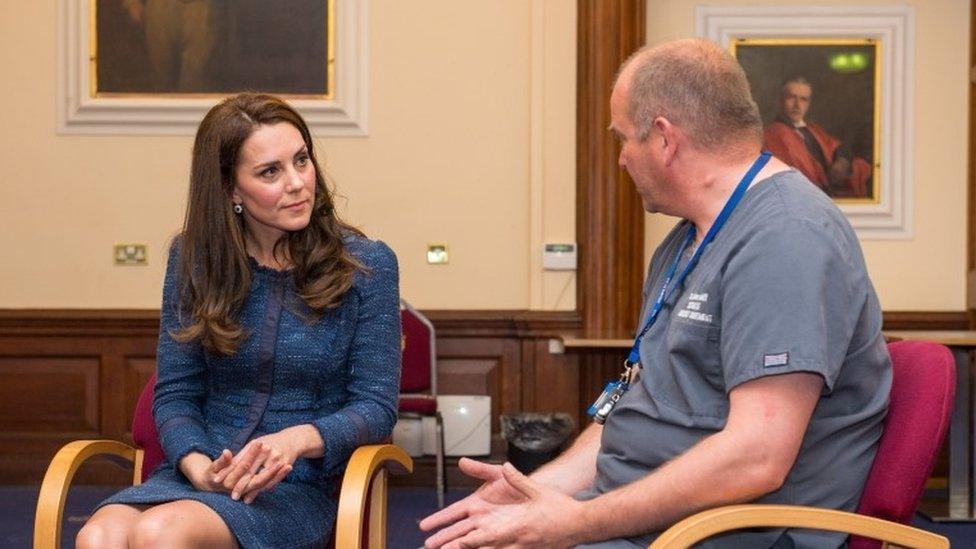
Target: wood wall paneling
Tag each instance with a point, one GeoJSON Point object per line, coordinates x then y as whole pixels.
{"type": "Point", "coordinates": [68, 386]}
{"type": "Point", "coordinates": [63, 378]}
{"type": "Point", "coordinates": [66, 375]}
{"type": "Point", "coordinates": [609, 215]}
{"type": "Point", "coordinates": [926, 320]}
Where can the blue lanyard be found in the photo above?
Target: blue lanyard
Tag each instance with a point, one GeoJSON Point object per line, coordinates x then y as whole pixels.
{"type": "Point", "coordinates": [723, 216]}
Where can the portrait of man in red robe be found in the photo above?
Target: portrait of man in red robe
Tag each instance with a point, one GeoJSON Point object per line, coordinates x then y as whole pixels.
{"type": "Point", "coordinates": [809, 148]}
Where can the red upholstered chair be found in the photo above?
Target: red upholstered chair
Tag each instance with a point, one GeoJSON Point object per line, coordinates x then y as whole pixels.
{"type": "Point", "coordinates": [922, 392]}
{"type": "Point", "coordinates": [361, 518]}
{"type": "Point", "coordinates": [418, 380]}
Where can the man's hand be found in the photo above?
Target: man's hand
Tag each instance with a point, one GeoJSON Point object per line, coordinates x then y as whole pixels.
{"type": "Point", "coordinates": [495, 490]}
{"type": "Point", "coordinates": [508, 510]}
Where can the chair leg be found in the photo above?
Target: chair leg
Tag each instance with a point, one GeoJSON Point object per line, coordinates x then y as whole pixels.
{"type": "Point", "coordinates": [441, 473]}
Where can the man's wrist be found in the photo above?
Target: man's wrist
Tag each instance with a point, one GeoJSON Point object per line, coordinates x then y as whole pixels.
{"type": "Point", "coordinates": [581, 524]}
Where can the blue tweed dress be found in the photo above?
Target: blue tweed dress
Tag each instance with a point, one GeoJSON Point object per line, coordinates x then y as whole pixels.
{"type": "Point", "coordinates": [340, 373]}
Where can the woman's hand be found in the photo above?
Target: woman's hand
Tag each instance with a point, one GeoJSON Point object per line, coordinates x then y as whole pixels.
{"type": "Point", "coordinates": [267, 460]}
{"type": "Point", "coordinates": [202, 472]}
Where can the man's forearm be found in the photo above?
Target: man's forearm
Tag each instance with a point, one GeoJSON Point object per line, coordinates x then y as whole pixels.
{"type": "Point", "coordinates": [749, 458]}
{"type": "Point", "coordinates": [711, 474]}
{"type": "Point", "coordinates": [574, 469]}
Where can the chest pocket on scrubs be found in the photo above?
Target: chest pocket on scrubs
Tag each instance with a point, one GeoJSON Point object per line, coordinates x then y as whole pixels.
{"type": "Point", "coordinates": [695, 362]}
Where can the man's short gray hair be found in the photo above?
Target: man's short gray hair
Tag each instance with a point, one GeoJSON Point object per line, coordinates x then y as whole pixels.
{"type": "Point", "coordinates": [698, 87]}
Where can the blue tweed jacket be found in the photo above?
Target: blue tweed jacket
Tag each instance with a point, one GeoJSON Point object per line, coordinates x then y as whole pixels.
{"type": "Point", "coordinates": [341, 373]}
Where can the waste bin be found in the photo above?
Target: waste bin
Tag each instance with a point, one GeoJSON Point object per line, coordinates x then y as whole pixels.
{"type": "Point", "coordinates": [534, 439]}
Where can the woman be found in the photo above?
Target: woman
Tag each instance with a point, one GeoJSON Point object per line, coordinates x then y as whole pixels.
{"type": "Point", "coordinates": [279, 348]}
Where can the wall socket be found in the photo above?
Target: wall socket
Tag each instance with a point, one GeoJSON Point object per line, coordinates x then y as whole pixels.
{"type": "Point", "coordinates": [131, 254]}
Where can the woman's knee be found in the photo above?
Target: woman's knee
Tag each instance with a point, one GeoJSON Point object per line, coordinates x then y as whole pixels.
{"type": "Point", "coordinates": [105, 530]}
{"type": "Point", "coordinates": [95, 535]}
{"type": "Point", "coordinates": [153, 529]}
{"type": "Point", "coordinates": [180, 524]}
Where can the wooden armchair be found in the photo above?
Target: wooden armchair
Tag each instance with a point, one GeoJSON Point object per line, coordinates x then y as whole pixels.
{"type": "Point", "coordinates": [361, 518]}
{"type": "Point", "coordinates": [922, 391]}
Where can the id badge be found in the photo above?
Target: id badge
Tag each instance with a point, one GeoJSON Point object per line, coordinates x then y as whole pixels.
{"type": "Point", "coordinates": [604, 404]}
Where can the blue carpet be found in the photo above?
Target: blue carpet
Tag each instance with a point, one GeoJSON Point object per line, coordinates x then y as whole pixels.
{"type": "Point", "coordinates": [406, 507]}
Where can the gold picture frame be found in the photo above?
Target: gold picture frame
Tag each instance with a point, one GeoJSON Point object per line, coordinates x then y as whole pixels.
{"type": "Point", "coordinates": [834, 137]}
{"type": "Point", "coordinates": [206, 49]}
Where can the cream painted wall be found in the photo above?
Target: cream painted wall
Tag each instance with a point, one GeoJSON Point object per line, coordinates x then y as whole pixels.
{"type": "Point", "coordinates": [928, 272]}
{"type": "Point", "coordinates": [472, 110]}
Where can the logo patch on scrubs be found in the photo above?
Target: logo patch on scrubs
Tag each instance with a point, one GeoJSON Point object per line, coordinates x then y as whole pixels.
{"type": "Point", "coordinates": [779, 359]}
{"type": "Point", "coordinates": [692, 310]}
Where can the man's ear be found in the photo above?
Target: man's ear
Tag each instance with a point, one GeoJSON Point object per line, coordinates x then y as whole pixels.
{"type": "Point", "coordinates": [669, 138]}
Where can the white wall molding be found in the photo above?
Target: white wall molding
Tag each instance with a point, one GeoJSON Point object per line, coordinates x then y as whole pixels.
{"type": "Point", "coordinates": [894, 26]}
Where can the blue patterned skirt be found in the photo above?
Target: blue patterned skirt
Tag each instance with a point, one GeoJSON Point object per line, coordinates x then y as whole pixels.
{"type": "Point", "coordinates": [292, 515]}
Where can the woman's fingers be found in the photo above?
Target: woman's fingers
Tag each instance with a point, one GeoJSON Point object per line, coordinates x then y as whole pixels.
{"type": "Point", "coordinates": [253, 466]}
{"type": "Point", "coordinates": [262, 478]}
{"type": "Point", "coordinates": [280, 475]}
{"type": "Point", "coordinates": [218, 468]}
{"type": "Point", "coordinates": [243, 462]}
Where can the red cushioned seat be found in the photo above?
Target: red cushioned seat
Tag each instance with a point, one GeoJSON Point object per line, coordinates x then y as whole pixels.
{"type": "Point", "coordinates": [144, 430]}
{"type": "Point", "coordinates": [923, 389]}
{"type": "Point", "coordinates": [424, 405]}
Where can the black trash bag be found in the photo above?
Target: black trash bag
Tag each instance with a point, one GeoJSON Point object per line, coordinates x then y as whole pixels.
{"type": "Point", "coordinates": [535, 439]}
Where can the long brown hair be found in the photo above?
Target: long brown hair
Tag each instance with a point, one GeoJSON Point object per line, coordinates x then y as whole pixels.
{"type": "Point", "coordinates": [215, 275]}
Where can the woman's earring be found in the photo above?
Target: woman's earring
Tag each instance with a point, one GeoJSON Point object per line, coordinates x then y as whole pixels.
{"type": "Point", "coordinates": [238, 209]}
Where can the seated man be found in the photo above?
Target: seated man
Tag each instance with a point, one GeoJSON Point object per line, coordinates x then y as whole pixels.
{"type": "Point", "coordinates": [808, 147]}
{"type": "Point", "coordinates": [764, 374]}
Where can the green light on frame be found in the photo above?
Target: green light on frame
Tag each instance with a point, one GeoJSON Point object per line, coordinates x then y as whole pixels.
{"type": "Point", "coordinates": [849, 62]}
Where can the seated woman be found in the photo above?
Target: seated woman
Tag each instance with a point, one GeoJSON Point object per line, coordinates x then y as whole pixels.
{"type": "Point", "coordinates": [279, 348]}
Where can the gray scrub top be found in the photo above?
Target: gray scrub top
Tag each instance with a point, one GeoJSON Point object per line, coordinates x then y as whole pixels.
{"type": "Point", "coordinates": [782, 288]}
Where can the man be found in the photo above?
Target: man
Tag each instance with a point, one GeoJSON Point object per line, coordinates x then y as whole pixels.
{"type": "Point", "coordinates": [809, 148]}
{"type": "Point", "coordinates": [765, 375]}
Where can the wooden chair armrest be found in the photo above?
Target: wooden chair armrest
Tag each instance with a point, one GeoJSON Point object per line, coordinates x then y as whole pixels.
{"type": "Point", "coordinates": [358, 485]}
{"type": "Point", "coordinates": [708, 523]}
{"type": "Point", "coordinates": [57, 480]}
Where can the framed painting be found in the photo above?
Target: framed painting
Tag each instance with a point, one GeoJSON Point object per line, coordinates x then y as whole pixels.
{"type": "Point", "coordinates": [834, 88]}
{"type": "Point", "coordinates": [155, 66]}
{"type": "Point", "coordinates": [210, 47]}
{"type": "Point", "coordinates": [820, 100]}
